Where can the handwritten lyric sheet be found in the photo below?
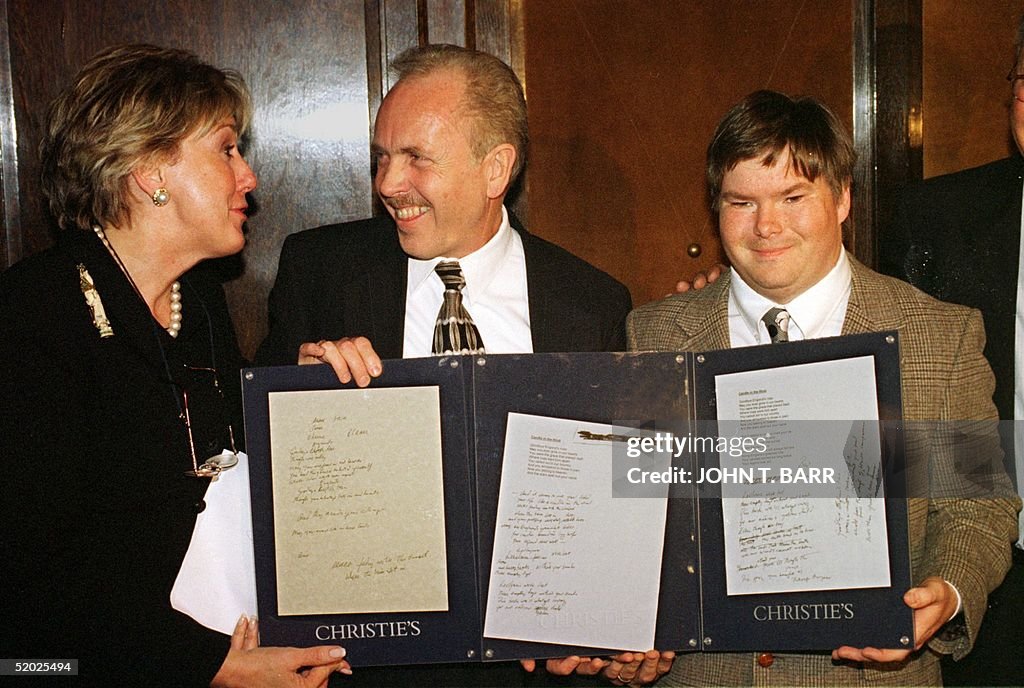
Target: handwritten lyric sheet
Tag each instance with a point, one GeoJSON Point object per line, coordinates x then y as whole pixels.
{"type": "Point", "coordinates": [358, 501]}
{"type": "Point", "coordinates": [571, 564]}
{"type": "Point", "coordinates": [793, 537]}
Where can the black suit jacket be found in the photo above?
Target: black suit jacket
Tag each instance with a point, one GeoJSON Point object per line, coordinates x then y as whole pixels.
{"type": "Point", "coordinates": [97, 512]}
{"type": "Point", "coordinates": [957, 237]}
{"type": "Point", "coordinates": [350, 279]}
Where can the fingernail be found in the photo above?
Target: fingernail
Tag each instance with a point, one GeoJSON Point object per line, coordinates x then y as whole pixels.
{"type": "Point", "coordinates": [375, 369]}
{"type": "Point", "coordinates": [337, 652]}
{"type": "Point", "coordinates": [346, 671]}
{"type": "Point", "coordinates": [243, 619]}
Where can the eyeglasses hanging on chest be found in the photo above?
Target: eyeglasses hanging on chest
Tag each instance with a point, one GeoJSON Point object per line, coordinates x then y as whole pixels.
{"type": "Point", "coordinates": [223, 460]}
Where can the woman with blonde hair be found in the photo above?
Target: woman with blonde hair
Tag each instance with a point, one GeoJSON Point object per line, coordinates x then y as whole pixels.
{"type": "Point", "coordinates": [119, 379]}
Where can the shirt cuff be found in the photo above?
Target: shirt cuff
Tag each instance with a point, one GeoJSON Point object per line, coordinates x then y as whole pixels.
{"type": "Point", "coordinates": [959, 600]}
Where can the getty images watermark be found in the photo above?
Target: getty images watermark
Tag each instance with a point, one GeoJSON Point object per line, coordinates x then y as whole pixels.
{"type": "Point", "coordinates": [808, 459]}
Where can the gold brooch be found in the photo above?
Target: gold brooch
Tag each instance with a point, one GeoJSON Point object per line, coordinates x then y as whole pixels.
{"type": "Point", "coordinates": [92, 300]}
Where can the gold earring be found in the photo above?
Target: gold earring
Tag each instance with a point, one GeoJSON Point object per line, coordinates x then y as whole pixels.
{"type": "Point", "coordinates": [160, 197]}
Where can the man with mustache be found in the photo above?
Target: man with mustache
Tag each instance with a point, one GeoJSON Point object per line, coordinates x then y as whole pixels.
{"type": "Point", "coordinates": [449, 140]}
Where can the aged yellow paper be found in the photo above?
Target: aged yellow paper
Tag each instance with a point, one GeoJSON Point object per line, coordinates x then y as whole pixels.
{"type": "Point", "coordinates": [358, 501]}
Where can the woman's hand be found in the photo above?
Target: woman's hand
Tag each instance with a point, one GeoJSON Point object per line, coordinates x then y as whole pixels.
{"type": "Point", "coordinates": [250, 666]}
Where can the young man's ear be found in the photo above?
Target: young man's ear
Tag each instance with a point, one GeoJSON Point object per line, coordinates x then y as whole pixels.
{"type": "Point", "coordinates": [843, 204]}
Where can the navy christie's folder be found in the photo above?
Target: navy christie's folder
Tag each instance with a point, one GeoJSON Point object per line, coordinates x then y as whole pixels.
{"type": "Point", "coordinates": [695, 612]}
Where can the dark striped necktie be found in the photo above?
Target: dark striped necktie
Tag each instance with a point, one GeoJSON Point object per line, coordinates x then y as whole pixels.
{"type": "Point", "coordinates": [454, 332]}
{"type": "Point", "coordinates": [777, 322]}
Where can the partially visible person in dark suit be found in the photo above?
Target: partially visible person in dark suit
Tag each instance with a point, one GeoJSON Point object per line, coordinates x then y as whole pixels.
{"type": "Point", "coordinates": [119, 379]}
{"type": "Point", "coordinates": [958, 237]}
{"type": "Point", "coordinates": [450, 138]}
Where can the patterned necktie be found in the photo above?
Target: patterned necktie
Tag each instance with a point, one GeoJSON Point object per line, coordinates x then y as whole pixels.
{"type": "Point", "coordinates": [777, 322]}
{"type": "Point", "coordinates": [454, 332]}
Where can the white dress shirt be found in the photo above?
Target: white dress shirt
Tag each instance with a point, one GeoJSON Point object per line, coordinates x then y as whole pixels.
{"type": "Point", "coordinates": [495, 296]}
{"type": "Point", "coordinates": [817, 312]}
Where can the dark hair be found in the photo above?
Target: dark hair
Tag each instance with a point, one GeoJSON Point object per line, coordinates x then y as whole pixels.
{"type": "Point", "coordinates": [766, 123]}
{"type": "Point", "coordinates": [494, 98]}
{"type": "Point", "coordinates": [130, 104]}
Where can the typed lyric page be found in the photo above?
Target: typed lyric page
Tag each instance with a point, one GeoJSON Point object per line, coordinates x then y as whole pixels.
{"type": "Point", "coordinates": [571, 564]}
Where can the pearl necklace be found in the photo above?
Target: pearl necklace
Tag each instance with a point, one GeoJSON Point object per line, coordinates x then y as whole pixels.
{"type": "Point", "coordinates": [175, 325]}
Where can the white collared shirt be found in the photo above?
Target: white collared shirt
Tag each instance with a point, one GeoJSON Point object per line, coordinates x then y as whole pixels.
{"type": "Point", "coordinates": [817, 312]}
{"type": "Point", "coordinates": [495, 296]}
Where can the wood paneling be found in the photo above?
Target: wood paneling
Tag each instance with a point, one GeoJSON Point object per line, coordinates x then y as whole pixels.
{"type": "Point", "coordinates": [10, 205]}
{"type": "Point", "coordinates": [968, 50]}
{"type": "Point", "coordinates": [311, 134]}
{"type": "Point", "coordinates": [887, 114]}
{"type": "Point", "coordinates": [401, 27]}
{"type": "Point", "coordinates": [624, 97]}
{"type": "Point", "coordinates": [38, 69]}
{"type": "Point", "coordinates": [446, 21]}
{"type": "Point", "coordinates": [491, 28]}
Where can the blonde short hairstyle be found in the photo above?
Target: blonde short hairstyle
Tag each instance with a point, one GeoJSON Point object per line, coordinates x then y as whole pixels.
{"type": "Point", "coordinates": [129, 105]}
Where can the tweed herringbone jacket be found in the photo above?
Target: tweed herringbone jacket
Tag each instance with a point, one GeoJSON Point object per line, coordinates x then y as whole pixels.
{"type": "Point", "coordinates": [944, 377]}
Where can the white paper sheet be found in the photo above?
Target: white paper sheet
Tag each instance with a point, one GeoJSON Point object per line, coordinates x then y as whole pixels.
{"type": "Point", "coordinates": [571, 565]}
{"type": "Point", "coordinates": [217, 580]}
{"type": "Point", "coordinates": [784, 538]}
